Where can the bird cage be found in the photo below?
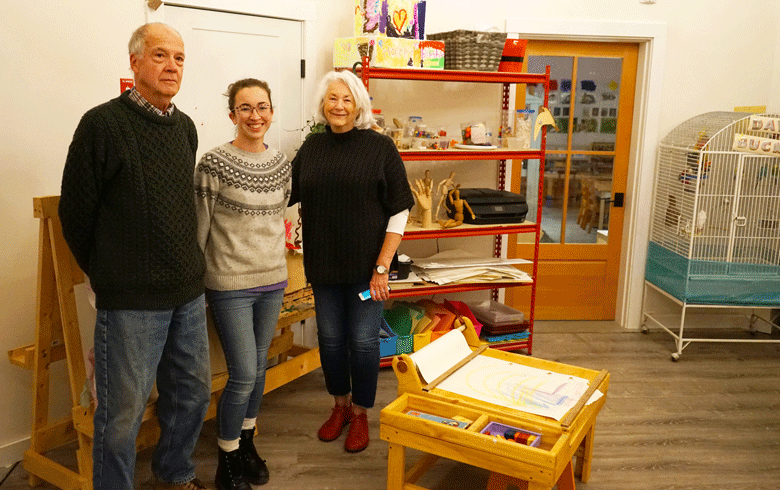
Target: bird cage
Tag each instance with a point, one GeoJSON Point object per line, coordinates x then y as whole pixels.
{"type": "Point", "coordinates": [714, 237]}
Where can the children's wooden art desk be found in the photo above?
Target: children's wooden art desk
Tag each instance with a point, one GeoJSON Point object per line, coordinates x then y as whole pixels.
{"type": "Point", "coordinates": [58, 338]}
{"type": "Point", "coordinates": [533, 468]}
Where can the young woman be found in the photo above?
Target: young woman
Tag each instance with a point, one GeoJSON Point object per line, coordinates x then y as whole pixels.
{"type": "Point", "coordinates": [242, 188]}
{"type": "Point", "coordinates": [355, 199]}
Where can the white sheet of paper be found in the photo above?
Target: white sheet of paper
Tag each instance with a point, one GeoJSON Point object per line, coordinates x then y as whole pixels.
{"type": "Point", "coordinates": [516, 386]}
{"type": "Point", "coordinates": [436, 358]}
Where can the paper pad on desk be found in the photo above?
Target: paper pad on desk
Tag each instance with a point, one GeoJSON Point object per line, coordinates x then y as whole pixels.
{"type": "Point", "coordinates": [498, 381]}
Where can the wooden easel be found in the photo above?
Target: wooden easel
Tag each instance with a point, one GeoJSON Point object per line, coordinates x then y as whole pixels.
{"type": "Point", "coordinates": [58, 338]}
{"type": "Point", "coordinates": [508, 462]}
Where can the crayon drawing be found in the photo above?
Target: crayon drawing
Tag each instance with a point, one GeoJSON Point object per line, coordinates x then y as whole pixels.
{"type": "Point", "coordinates": [516, 386]}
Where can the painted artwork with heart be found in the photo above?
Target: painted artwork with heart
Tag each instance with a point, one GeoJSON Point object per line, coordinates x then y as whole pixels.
{"type": "Point", "coordinates": [401, 18]}
{"type": "Point", "coordinates": [391, 18]}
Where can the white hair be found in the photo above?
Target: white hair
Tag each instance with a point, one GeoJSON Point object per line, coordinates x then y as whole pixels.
{"type": "Point", "coordinates": [137, 44]}
{"type": "Point", "coordinates": [364, 118]}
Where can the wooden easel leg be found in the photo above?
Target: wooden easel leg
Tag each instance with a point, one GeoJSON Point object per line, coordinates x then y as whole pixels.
{"type": "Point", "coordinates": [84, 458]}
{"type": "Point", "coordinates": [585, 456]}
{"type": "Point", "coordinates": [65, 279]}
{"type": "Point", "coordinates": [46, 313]}
{"type": "Point", "coordinates": [396, 456]}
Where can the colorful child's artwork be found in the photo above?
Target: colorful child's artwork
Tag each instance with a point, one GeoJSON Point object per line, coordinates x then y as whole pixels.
{"type": "Point", "coordinates": [391, 18]}
{"type": "Point", "coordinates": [397, 53]}
{"type": "Point", "coordinates": [369, 17]}
{"type": "Point", "coordinates": [350, 50]}
{"type": "Point", "coordinates": [432, 54]}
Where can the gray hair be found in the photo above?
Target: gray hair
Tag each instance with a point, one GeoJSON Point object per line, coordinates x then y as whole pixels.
{"type": "Point", "coordinates": [364, 118]}
{"type": "Point", "coordinates": [137, 44]}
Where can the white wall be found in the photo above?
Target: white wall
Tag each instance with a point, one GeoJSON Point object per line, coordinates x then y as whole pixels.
{"type": "Point", "coordinates": [60, 59]}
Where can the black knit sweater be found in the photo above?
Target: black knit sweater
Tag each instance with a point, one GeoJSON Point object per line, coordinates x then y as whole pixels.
{"type": "Point", "coordinates": [126, 206]}
{"type": "Point", "coordinates": [348, 184]}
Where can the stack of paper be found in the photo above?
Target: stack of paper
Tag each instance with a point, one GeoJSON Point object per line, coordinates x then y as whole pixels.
{"type": "Point", "coordinates": [455, 266]}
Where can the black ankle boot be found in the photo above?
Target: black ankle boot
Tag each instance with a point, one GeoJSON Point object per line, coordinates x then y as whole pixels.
{"type": "Point", "coordinates": [230, 472]}
{"type": "Point", "coordinates": [255, 468]}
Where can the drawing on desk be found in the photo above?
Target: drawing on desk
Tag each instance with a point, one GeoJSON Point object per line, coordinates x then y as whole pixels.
{"type": "Point", "coordinates": [516, 386]}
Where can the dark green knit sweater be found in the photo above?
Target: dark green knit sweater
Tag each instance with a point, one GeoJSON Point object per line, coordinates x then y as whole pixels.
{"type": "Point", "coordinates": [126, 206]}
{"type": "Point", "coordinates": [349, 185]}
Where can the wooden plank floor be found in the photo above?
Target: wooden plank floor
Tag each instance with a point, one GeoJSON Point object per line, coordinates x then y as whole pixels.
{"type": "Point", "coordinates": [709, 421]}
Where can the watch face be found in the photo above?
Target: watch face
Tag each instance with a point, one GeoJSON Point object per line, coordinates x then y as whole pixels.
{"type": "Point", "coordinates": [381, 269]}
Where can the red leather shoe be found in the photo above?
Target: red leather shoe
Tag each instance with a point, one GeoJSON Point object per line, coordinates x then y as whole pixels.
{"type": "Point", "coordinates": [332, 427]}
{"type": "Point", "coordinates": [357, 437]}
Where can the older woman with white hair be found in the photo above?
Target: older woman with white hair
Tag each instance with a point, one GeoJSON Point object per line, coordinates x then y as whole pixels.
{"type": "Point", "coordinates": [355, 199]}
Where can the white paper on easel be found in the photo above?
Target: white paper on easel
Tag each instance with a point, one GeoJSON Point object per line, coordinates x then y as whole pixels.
{"type": "Point", "coordinates": [517, 386]}
{"type": "Point", "coordinates": [436, 358]}
{"type": "Point", "coordinates": [508, 384]}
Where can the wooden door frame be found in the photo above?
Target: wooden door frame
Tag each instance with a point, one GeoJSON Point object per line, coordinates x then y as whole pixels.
{"type": "Point", "coordinates": [651, 38]}
{"type": "Point", "coordinates": [588, 258]}
{"type": "Point", "coordinates": [303, 11]}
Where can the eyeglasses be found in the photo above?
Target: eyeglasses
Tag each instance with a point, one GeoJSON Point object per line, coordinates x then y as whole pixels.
{"type": "Point", "coordinates": [245, 110]}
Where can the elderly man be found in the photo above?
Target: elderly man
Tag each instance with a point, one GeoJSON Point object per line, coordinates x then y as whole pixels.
{"type": "Point", "coordinates": [128, 216]}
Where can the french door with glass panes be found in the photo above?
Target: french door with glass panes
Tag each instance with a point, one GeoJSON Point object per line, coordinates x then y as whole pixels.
{"type": "Point", "coordinates": [592, 103]}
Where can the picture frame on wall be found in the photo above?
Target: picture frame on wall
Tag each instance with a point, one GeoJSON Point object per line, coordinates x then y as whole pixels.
{"type": "Point", "coordinates": [594, 112]}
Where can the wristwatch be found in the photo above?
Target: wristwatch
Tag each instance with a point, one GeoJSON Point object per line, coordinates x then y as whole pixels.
{"type": "Point", "coordinates": [380, 269]}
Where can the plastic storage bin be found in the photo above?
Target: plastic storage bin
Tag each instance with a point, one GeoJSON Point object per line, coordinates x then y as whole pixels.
{"type": "Point", "coordinates": [496, 314]}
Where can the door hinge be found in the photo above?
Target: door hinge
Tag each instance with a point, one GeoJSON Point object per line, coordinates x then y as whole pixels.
{"type": "Point", "coordinates": [303, 68]}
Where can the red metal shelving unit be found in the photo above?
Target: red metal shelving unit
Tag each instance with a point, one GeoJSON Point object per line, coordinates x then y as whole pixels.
{"type": "Point", "coordinates": [367, 72]}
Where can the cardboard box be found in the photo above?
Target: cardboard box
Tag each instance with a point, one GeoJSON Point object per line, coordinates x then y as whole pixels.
{"type": "Point", "coordinates": [296, 278]}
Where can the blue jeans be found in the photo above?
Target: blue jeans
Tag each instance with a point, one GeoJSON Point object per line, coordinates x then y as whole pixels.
{"type": "Point", "coordinates": [348, 333]}
{"type": "Point", "coordinates": [246, 324]}
{"type": "Point", "coordinates": [132, 348]}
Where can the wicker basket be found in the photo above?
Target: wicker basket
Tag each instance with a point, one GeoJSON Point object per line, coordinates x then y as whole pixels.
{"type": "Point", "coordinates": [471, 50]}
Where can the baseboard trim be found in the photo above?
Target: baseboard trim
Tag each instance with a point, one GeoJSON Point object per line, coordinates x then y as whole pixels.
{"type": "Point", "coordinates": [14, 451]}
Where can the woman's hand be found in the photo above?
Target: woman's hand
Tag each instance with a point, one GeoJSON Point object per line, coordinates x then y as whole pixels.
{"type": "Point", "coordinates": [380, 287]}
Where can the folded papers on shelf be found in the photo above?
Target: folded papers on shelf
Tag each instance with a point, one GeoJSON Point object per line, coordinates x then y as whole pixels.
{"type": "Point", "coordinates": [458, 265]}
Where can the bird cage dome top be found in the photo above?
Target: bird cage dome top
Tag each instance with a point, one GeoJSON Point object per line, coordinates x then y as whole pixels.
{"type": "Point", "coordinates": [697, 132]}
{"type": "Point", "coordinates": [711, 131]}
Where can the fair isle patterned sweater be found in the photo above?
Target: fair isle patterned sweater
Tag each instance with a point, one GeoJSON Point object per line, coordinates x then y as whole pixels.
{"type": "Point", "coordinates": [240, 199]}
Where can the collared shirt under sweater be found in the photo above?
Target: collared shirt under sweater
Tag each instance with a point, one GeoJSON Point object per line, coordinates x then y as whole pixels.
{"type": "Point", "coordinates": [126, 206]}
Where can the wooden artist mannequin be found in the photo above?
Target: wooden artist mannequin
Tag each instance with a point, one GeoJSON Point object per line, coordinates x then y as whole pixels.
{"type": "Point", "coordinates": [423, 190]}
{"type": "Point", "coordinates": [443, 188]}
{"type": "Point", "coordinates": [458, 204]}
